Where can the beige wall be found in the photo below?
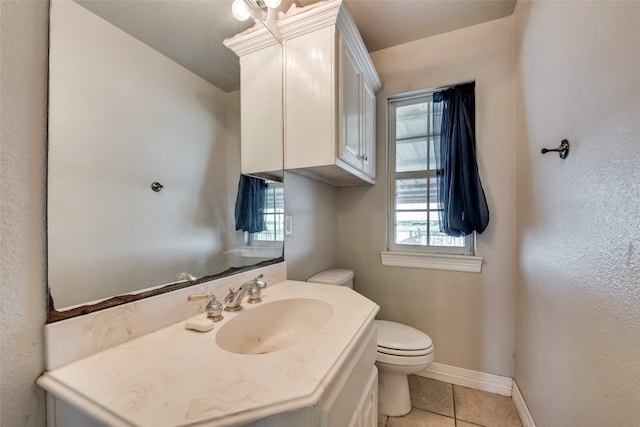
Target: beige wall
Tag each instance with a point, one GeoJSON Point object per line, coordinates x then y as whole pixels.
{"type": "Point", "coordinates": [312, 245]}
{"type": "Point", "coordinates": [235, 239]}
{"type": "Point", "coordinates": [578, 295]}
{"type": "Point", "coordinates": [23, 109]}
{"type": "Point", "coordinates": [578, 301]}
{"type": "Point", "coordinates": [469, 316]}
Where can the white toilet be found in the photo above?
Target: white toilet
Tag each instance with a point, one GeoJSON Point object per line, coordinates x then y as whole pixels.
{"type": "Point", "coordinates": [402, 350]}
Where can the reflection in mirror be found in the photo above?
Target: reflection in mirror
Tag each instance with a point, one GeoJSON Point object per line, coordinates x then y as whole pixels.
{"type": "Point", "coordinates": [144, 159]}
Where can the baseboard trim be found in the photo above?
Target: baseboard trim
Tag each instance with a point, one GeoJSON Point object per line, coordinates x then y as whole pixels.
{"type": "Point", "coordinates": [521, 407]}
{"type": "Point", "coordinates": [468, 378]}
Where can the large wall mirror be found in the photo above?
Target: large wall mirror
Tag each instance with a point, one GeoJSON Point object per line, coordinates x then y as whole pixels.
{"type": "Point", "coordinates": [144, 153]}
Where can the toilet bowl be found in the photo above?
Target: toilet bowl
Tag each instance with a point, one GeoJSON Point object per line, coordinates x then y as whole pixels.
{"type": "Point", "coordinates": [402, 350]}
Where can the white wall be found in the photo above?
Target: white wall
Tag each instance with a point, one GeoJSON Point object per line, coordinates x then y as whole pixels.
{"type": "Point", "coordinates": [23, 141]}
{"type": "Point", "coordinates": [121, 117]}
{"type": "Point", "coordinates": [470, 317]}
{"type": "Point", "coordinates": [578, 295]}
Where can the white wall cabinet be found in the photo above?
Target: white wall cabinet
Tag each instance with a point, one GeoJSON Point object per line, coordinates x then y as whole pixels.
{"type": "Point", "coordinates": [329, 96]}
{"type": "Point", "coordinates": [261, 97]}
{"type": "Point", "coordinates": [308, 105]}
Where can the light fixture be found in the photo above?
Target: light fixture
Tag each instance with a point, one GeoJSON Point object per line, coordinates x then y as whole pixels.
{"type": "Point", "coordinates": [240, 10]}
{"type": "Point", "coordinates": [258, 9]}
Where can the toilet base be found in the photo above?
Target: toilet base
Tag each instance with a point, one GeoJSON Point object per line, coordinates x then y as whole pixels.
{"type": "Point", "coordinates": [393, 394]}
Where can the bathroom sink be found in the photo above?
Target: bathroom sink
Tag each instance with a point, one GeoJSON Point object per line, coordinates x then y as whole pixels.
{"type": "Point", "coordinates": [274, 326]}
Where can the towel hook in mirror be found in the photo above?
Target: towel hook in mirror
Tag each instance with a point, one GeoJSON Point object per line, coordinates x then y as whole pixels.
{"type": "Point", "coordinates": [563, 149]}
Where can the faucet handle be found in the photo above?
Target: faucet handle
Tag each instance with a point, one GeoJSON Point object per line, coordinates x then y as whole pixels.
{"type": "Point", "coordinates": [214, 306]}
{"type": "Point", "coordinates": [256, 289]}
{"type": "Point", "coordinates": [254, 294]}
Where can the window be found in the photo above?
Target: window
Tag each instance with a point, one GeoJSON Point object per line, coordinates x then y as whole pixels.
{"type": "Point", "coordinates": [273, 216]}
{"type": "Point", "coordinates": [414, 213]}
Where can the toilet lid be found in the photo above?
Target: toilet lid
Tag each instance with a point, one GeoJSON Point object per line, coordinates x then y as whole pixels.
{"type": "Point", "coordinates": [332, 277]}
{"type": "Point", "coordinates": [396, 336]}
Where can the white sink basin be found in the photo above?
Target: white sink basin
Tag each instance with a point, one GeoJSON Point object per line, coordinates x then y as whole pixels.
{"type": "Point", "coordinates": [273, 326]}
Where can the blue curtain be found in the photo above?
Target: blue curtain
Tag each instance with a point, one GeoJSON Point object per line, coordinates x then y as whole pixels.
{"type": "Point", "coordinates": [250, 204]}
{"type": "Point", "coordinates": [459, 189]}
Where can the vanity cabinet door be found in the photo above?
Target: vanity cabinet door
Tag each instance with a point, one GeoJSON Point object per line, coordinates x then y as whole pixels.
{"type": "Point", "coordinates": [353, 389]}
{"type": "Point", "coordinates": [368, 407]}
{"type": "Point", "coordinates": [63, 414]}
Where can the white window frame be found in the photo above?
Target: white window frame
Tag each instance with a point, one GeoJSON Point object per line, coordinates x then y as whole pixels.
{"type": "Point", "coordinates": [419, 256]}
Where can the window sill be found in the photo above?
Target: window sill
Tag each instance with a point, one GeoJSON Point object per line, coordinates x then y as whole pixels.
{"type": "Point", "coordinates": [261, 251]}
{"type": "Point", "coordinates": [466, 263]}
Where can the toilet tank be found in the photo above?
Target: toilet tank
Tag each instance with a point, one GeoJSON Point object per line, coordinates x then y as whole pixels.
{"type": "Point", "coordinates": [337, 277]}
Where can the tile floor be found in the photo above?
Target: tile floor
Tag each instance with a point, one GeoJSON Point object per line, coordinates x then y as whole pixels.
{"type": "Point", "coordinates": [440, 404]}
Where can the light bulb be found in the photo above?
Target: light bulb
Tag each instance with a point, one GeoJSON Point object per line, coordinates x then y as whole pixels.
{"type": "Point", "coordinates": [272, 3]}
{"type": "Point", "coordinates": [240, 10]}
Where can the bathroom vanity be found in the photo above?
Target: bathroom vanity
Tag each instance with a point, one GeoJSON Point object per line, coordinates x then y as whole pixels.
{"type": "Point", "coordinates": [305, 356]}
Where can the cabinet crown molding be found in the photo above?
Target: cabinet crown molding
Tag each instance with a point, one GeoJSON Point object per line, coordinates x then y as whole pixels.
{"type": "Point", "coordinates": [353, 39]}
{"type": "Point", "coordinates": [254, 39]}
{"type": "Point", "coordinates": [300, 21]}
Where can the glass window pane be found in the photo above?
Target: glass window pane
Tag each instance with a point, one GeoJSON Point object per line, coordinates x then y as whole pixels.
{"type": "Point", "coordinates": [411, 155]}
{"type": "Point", "coordinates": [411, 131]}
{"type": "Point", "coordinates": [411, 193]}
{"type": "Point", "coordinates": [433, 193]}
{"type": "Point", "coordinates": [412, 120]}
{"type": "Point", "coordinates": [437, 237]}
{"type": "Point", "coordinates": [411, 228]}
{"type": "Point", "coordinates": [432, 154]}
{"type": "Point", "coordinates": [436, 117]}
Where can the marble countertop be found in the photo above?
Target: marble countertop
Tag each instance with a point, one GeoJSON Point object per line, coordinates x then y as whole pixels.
{"type": "Point", "coordinates": [179, 377]}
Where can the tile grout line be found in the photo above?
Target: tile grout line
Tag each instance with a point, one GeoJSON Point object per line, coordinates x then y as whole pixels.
{"type": "Point", "coordinates": [453, 397]}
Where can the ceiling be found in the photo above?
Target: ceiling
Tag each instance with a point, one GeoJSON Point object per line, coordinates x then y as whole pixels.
{"type": "Point", "coordinates": [191, 31]}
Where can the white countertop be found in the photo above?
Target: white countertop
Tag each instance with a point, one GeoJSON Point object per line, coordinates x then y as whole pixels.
{"type": "Point", "coordinates": [177, 377]}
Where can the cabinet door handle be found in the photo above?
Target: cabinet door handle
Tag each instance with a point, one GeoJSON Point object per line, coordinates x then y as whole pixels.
{"type": "Point", "coordinates": [363, 157]}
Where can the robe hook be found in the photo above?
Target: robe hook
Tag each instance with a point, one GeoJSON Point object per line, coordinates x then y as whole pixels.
{"type": "Point", "coordinates": [563, 149]}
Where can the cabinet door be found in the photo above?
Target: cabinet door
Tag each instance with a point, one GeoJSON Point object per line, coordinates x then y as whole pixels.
{"type": "Point", "coordinates": [261, 111]}
{"type": "Point", "coordinates": [310, 115]}
{"type": "Point", "coordinates": [369, 132]}
{"type": "Point", "coordinates": [368, 408]}
{"type": "Point", "coordinates": [350, 108]}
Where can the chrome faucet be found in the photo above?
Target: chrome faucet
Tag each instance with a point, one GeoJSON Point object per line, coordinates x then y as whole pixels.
{"type": "Point", "coordinates": [214, 306]}
{"type": "Point", "coordinates": [184, 276]}
{"type": "Point", "coordinates": [233, 300]}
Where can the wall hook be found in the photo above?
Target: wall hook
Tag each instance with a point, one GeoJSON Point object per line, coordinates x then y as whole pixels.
{"type": "Point", "coordinates": [563, 149]}
{"type": "Point", "coordinates": [156, 186]}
